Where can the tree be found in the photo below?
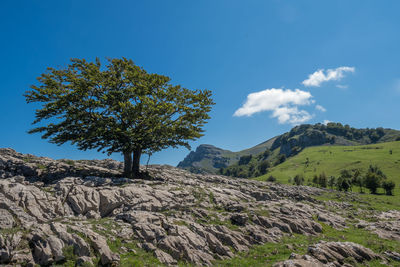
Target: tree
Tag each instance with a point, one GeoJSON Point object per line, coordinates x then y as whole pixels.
{"type": "Point", "coordinates": [372, 182]}
{"type": "Point", "coordinates": [322, 180]}
{"type": "Point", "coordinates": [332, 181]}
{"type": "Point", "coordinates": [374, 178]}
{"type": "Point", "coordinates": [298, 179]}
{"type": "Point", "coordinates": [281, 158]}
{"type": "Point", "coordinates": [345, 180]}
{"type": "Point", "coordinates": [117, 108]}
{"type": "Point", "coordinates": [358, 180]}
{"type": "Point", "coordinates": [243, 160]}
{"type": "Point", "coordinates": [343, 183]}
{"type": "Point", "coordinates": [388, 186]}
{"type": "Point", "coordinates": [263, 167]}
{"type": "Point", "coordinates": [266, 153]}
{"type": "Point", "coordinates": [315, 179]}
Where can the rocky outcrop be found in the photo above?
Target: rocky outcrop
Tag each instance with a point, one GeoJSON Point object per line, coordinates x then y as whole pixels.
{"type": "Point", "coordinates": [44, 169]}
{"type": "Point", "coordinates": [387, 225]}
{"type": "Point", "coordinates": [206, 158]}
{"type": "Point", "coordinates": [331, 254]}
{"type": "Point", "coordinates": [176, 216]}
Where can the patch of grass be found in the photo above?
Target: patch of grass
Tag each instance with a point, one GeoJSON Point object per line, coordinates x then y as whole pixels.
{"type": "Point", "coordinates": [27, 159]}
{"type": "Point", "coordinates": [135, 255]}
{"type": "Point", "coordinates": [41, 166]}
{"type": "Point", "coordinates": [48, 190]}
{"type": "Point", "coordinates": [363, 201]}
{"type": "Point", "coordinates": [181, 222]}
{"type": "Point", "coordinates": [70, 257]}
{"type": "Point", "coordinates": [211, 198]}
{"type": "Point", "coordinates": [69, 162]}
{"type": "Point", "coordinates": [213, 219]}
{"type": "Point", "coordinates": [269, 253]}
{"type": "Point", "coordinates": [261, 212]}
{"type": "Point", "coordinates": [176, 188]}
{"type": "Point", "coordinates": [199, 194]}
{"type": "Point", "coordinates": [11, 231]}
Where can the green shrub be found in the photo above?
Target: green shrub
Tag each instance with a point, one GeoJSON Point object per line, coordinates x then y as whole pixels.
{"type": "Point", "coordinates": [388, 186]}
{"type": "Point", "coordinates": [298, 179]}
{"type": "Point", "coordinates": [263, 167]}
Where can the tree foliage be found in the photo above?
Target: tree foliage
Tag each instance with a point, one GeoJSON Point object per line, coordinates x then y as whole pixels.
{"type": "Point", "coordinates": [388, 186]}
{"type": "Point", "coordinates": [298, 179]}
{"type": "Point", "coordinates": [117, 108]}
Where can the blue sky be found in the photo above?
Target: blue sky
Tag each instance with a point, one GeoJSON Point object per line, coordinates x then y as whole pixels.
{"type": "Point", "coordinates": [252, 54]}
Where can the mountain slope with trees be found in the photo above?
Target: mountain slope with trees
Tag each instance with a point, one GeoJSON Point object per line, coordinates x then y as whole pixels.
{"type": "Point", "coordinates": [382, 159]}
{"type": "Point", "coordinates": [256, 160]}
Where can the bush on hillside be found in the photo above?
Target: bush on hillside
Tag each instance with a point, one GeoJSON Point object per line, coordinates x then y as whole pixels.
{"type": "Point", "coordinates": [372, 182]}
{"type": "Point", "coordinates": [343, 184]}
{"type": "Point", "coordinates": [388, 186]}
{"type": "Point", "coordinates": [245, 159]}
{"type": "Point", "coordinates": [332, 181]}
{"type": "Point", "coordinates": [298, 179]}
{"type": "Point", "coordinates": [281, 159]}
{"type": "Point", "coordinates": [263, 167]}
{"type": "Point", "coordinates": [322, 180]}
{"type": "Point", "coordinates": [266, 153]}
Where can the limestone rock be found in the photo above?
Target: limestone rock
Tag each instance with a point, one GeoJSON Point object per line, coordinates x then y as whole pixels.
{"type": "Point", "coordinates": [175, 215]}
{"type": "Point", "coordinates": [330, 254]}
{"type": "Point", "coordinates": [6, 219]}
{"type": "Point", "coordinates": [327, 252]}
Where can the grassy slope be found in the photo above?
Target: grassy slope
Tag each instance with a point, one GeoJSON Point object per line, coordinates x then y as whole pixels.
{"type": "Point", "coordinates": [333, 159]}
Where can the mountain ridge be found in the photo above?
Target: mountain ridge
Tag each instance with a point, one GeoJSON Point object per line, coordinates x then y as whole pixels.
{"type": "Point", "coordinates": [210, 159]}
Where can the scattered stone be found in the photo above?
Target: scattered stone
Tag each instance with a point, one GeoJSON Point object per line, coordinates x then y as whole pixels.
{"type": "Point", "coordinates": [392, 255]}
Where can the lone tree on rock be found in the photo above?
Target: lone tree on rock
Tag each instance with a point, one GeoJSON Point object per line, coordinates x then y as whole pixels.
{"type": "Point", "coordinates": [117, 108]}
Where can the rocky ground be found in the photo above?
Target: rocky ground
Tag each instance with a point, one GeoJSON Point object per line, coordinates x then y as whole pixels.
{"type": "Point", "coordinates": [71, 213]}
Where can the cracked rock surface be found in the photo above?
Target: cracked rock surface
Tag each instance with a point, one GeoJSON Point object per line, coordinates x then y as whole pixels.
{"type": "Point", "coordinates": [50, 209]}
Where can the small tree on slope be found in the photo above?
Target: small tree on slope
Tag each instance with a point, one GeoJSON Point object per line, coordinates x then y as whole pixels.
{"type": "Point", "coordinates": [117, 108]}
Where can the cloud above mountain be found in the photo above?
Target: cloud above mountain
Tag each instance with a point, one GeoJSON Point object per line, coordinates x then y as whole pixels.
{"type": "Point", "coordinates": [284, 104]}
{"type": "Point", "coordinates": [321, 76]}
{"type": "Point", "coordinates": [320, 108]}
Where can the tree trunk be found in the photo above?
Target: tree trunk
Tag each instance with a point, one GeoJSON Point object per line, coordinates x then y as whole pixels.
{"type": "Point", "coordinates": [127, 164]}
{"type": "Point", "coordinates": [136, 162]}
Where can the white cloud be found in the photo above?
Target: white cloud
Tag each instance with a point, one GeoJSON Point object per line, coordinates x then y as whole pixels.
{"type": "Point", "coordinates": [326, 122]}
{"type": "Point", "coordinates": [291, 115]}
{"type": "Point", "coordinates": [320, 108]}
{"type": "Point", "coordinates": [283, 103]}
{"type": "Point", "coordinates": [320, 76]}
{"type": "Point", "coordinates": [342, 86]}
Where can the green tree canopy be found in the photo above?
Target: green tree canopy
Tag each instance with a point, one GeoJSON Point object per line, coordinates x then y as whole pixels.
{"type": "Point", "coordinates": [117, 108]}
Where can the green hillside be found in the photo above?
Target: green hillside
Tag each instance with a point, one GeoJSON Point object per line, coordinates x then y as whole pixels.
{"type": "Point", "coordinates": [253, 161]}
{"type": "Point", "coordinates": [332, 159]}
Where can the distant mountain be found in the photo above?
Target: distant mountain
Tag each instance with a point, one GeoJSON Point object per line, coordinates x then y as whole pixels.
{"type": "Point", "coordinates": [246, 163]}
{"type": "Point", "coordinates": [209, 159]}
